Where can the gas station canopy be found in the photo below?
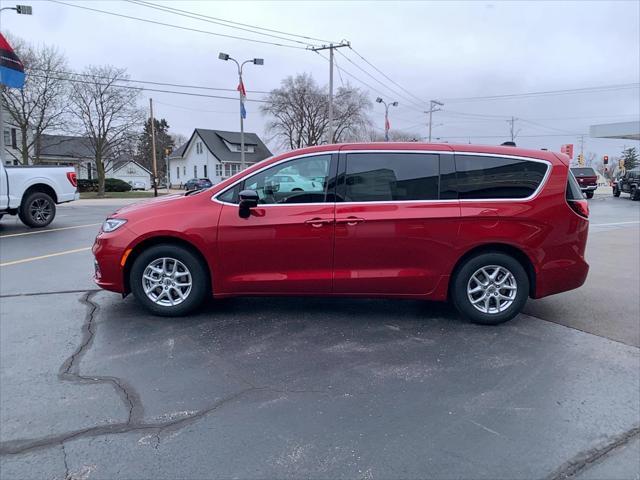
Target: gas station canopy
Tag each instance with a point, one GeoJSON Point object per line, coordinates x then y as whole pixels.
{"type": "Point", "coordinates": [622, 130]}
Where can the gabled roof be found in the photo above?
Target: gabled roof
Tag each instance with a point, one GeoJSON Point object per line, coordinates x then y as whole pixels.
{"type": "Point", "coordinates": [66, 146]}
{"type": "Point", "coordinates": [214, 141]}
{"type": "Point", "coordinates": [119, 164]}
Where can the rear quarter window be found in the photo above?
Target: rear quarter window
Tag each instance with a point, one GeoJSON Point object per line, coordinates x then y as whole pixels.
{"type": "Point", "coordinates": [573, 189]}
{"type": "Point", "coordinates": [486, 177]}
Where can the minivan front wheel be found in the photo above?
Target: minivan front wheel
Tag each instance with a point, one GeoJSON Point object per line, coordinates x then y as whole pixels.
{"type": "Point", "coordinates": [168, 280]}
{"type": "Point", "coordinates": [490, 288]}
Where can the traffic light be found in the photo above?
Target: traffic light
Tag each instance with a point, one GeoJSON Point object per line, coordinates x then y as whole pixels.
{"type": "Point", "coordinates": [581, 159]}
{"type": "Point", "coordinates": [605, 159]}
{"type": "Point", "coordinates": [24, 9]}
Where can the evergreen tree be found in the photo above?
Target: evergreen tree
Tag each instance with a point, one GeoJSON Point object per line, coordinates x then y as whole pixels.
{"type": "Point", "coordinates": [630, 157]}
{"type": "Point", "coordinates": [164, 140]}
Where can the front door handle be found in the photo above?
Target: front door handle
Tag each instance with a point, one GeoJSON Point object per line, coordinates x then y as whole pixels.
{"type": "Point", "coordinates": [350, 220]}
{"type": "Point", "coordinates": [318, 222]}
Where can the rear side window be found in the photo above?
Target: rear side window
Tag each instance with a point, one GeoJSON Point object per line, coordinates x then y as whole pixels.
{"type": "Point", "coordinates": [375, 177]}
{"type": "Point", "coordinates": [583, 172]}
{"type": "Point", "coordinates": [497, 177]}
{"type": "Point", "coordinates": [573, 189]}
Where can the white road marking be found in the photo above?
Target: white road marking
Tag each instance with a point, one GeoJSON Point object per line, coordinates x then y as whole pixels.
{"type": "Point", "coordinates": [42, 257]}
{"type": "Point", "coordinates": [614, 223]}
{"type": "Point", "coordinates": [50, 230]}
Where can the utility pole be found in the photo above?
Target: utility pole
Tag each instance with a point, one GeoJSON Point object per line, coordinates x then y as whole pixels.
{"type": "Point", "coordinates": [512, 130]}
{"type": "Point", "coordinates": [433, 107]}
{"type": "Point", "coordinates": [153, 150]}
{"type": "Point", "coordinates": [331, 47]}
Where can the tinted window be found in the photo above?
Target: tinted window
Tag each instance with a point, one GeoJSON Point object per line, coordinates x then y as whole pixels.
{"type": "Point", "coordinates": [573, 189]}
{"type": "Point", "coordinates": [374, 177]}
{"type": "Point", "coordinates": [497, 177]}
{"type": "Point", "coordinates": [584, 172]}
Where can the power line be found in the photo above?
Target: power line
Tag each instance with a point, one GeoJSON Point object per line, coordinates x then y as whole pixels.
{"type": "Point", "coordinates": [232, 22]}
{"type": "Point", "coordinates": [145, 89]}
{"type": "Point", "coordinates": [569, 91]}
{"type": "Point", "coordinates": [384, 75]}
{"type": "Point", "coordinates": [404, 97]}
{"type": "Point", "coordinates": [519, 136]}
{"type": "Point", "coordinates": [179, 27]}
{"type": "Point", "coordinates": [204, 18]}
{"type": "Point", "coordinates": [148, 82]}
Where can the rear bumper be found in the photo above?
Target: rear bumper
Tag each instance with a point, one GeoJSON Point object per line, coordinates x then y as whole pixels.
{"type": "Point", "coordinates": [561, 276]}
{"type": "Point", "coordinates": [68, 197]}
{"type": "Point", "coordinates": [588, 188]}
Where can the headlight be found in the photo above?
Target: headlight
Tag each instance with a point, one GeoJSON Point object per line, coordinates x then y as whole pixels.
{"type": "Point", "coordinates": [111, 224]}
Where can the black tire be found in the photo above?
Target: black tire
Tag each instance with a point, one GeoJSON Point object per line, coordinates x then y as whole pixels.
{"type": "Point", "coordinates": [462, 278]}
{"type": "Point", "coordinates": [37, 210]}
{"type": "Point", "coordinates": [199, 280]}
{"type": "Point", "coordinates": [589, 194]}
{"type": "Point", "coordinates": [635, 194]}
{"type": "Point", "coordinates": [616, 192]}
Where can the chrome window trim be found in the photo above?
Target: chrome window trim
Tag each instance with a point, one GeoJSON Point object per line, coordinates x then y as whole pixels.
{"type": "Point", "coordinates": [382, 202]}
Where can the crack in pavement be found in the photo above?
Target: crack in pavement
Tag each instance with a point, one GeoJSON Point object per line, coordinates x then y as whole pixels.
{"type": "Point", "coordinates": [64, 459]}
{"type": "Point", "coordinates": [37, 294]}
{"type": "Point", "coordinates": [586, 459]}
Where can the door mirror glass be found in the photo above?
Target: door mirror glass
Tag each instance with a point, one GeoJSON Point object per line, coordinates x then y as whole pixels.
{"type": "Point", "coordinates": [248, 200]}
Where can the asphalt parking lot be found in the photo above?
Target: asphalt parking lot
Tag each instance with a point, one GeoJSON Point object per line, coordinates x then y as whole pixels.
{"type": "Point", "coordinates": [93, 387]}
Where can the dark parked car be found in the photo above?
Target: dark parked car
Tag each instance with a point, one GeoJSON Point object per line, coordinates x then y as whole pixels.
{"type": "Point", "coordinates": [198, 184]}
{"type": "Point", "coordinates": [587, 179]}
{"type": "Point", "coordinates": [628, 183]}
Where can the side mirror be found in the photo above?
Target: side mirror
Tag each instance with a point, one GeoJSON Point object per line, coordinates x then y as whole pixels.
{"type": "Point", "coordinates": [248, 200]}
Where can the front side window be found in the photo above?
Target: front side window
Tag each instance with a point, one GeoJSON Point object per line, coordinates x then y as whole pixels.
{"type": "Point", "coordinates": [396, 176]}
{"type": "Point", "coordinates": [480, 177]}
{"type": "Point", "coordinates": [303, 180]}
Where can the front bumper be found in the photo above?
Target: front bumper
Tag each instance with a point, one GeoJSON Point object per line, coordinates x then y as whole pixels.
{"type": "Point", "coordinates": [108, 250]}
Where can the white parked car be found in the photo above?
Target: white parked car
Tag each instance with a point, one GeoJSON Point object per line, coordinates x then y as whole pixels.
{"type": "Point", "coordinates": [138, 186]}
{"type": "Point", "coordinates": [32, 192]}
{"type": "Point", "coordinates": [294, 183]}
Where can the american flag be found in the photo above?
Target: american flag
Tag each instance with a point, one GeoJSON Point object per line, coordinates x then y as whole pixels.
{"type": "Point", "coordinates": [243, 97]}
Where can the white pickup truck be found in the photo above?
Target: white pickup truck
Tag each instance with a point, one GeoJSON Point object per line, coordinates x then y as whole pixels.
{"type": "Point", "coordinates": [32, 192]}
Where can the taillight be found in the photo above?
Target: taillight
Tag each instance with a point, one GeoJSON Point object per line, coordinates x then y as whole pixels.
{"type": "Point", "coordinates": [73, 178]}
{"type": "Point", "coordinates": [581, 207]}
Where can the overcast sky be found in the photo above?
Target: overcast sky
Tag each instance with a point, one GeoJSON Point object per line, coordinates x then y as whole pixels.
{"type": "Point", "coordinates": [435, 50]}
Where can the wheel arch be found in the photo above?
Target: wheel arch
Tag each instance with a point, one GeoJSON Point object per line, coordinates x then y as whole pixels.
{"type": "Point", "coordinates": [40, 187]}
{"type": "Point", "coordinates": [504, 248]}
{"type": "Point", "coordinates": [162, 240]}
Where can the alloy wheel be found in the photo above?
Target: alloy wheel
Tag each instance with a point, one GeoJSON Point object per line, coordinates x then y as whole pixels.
{"type": "Point", "coordinates": [492, 289]}
{"type": "Point", "coordinates": [40, 210]}
{"type": "Point", "coordinates": [167, 281]}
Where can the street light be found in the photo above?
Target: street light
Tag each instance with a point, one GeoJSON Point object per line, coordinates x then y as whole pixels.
{"type": "Point", "coordinates": [20, 9]}
{"type": "Point", "coordinates": [386, 116]}
{"type": "Point", "coordinates": [242, 94]}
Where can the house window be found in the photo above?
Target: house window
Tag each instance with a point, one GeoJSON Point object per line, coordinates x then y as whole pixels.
{"type": "Point", "coordinates": [218, 170]}
{"type": "Point", "coordinates": [7, 136]}
{"type": "Point", "coordinates": [184, 170]}
{"type": "Point", "coordinates": [14, 138]}
{"type": "Point", "coordinates": [195, 171]}
{"type": "Point", "coordinates": [199, 149]}
{"type": "Point", "coordinates": [177, 172]}
{"type": "Point", "coordinates": [205, 172]}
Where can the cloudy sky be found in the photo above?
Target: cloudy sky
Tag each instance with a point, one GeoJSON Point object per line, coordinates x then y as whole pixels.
{"type": "Point", "coordinates": [433, 50]}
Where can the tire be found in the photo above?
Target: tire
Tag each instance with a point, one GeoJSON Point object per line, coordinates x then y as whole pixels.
{"type": "Point", "coordinates": [635, 194]}
{"type": "Point", "coordinates": [166, 292]}
{"type": "Point", "coordinates": [589, 194]}
{"type": "Point", "coordinates": [467, 276]}
{"type": "Point", "coordinates": [37, 210]}
{"type": "Point", "coordinates": [616, 192]}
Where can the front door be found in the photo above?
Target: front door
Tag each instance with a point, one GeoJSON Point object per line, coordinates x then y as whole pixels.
{"type": "Point", "coordinates": [397, 225]}
{"type": "Point", "coordinates": [286, 244]}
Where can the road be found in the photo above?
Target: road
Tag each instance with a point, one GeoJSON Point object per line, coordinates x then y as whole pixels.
{"type": "Point", "coordinates": [93, 387]}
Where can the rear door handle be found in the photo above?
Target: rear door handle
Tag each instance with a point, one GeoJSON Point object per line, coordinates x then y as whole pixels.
{"type": "Point", "coordinates": [318, 222]}
{"type": "Point", "coordinates": [350, 220]}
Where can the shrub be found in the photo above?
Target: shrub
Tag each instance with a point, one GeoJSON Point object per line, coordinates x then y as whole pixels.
{"type": "Point", "coordinates": [85, 185]}
{"type": "Point", "coordinates": [116, 185]}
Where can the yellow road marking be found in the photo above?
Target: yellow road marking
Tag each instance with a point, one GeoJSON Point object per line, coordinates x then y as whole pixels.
{"type": "Point", "coordinates": [42, 257]}
{"type": "Point", "coordinates": [50, 230]}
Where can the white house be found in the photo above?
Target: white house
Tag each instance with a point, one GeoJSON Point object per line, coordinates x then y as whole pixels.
{"type": "Point", "coordinates": [214, 154]}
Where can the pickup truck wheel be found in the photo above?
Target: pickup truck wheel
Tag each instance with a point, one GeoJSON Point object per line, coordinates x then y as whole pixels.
{"type": "Point", "coordinates": [635, 193]}
{"type": "Point", "coordinates": [589, 194]}
{"type": "Point", "coordinates": [169, 280]}
{"type": "Point", "coordinates": [37, 210]}
{"type": "Point", "coordinates": [616, 192]}
{"type": "Point", "coordinates": [490, 288]}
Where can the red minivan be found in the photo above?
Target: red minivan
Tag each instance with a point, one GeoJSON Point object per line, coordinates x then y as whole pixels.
{"type": "Point", "coordinates": [484, 227]}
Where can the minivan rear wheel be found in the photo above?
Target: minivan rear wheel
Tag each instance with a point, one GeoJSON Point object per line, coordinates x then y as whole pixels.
{"type": "Point", "coordinates": [490, 288]}
{"type": "Point", "coordinates": [169, 280]}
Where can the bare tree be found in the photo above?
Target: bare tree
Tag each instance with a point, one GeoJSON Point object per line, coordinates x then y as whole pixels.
{"type": "Point", "coordinates": [40, 105]}
{"type": "Point", "coordinates": [299, 112]}
{"type": "Point", "coordinates": [372, 135]}
{"type": "Point", "coordinates": [106, 112]}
